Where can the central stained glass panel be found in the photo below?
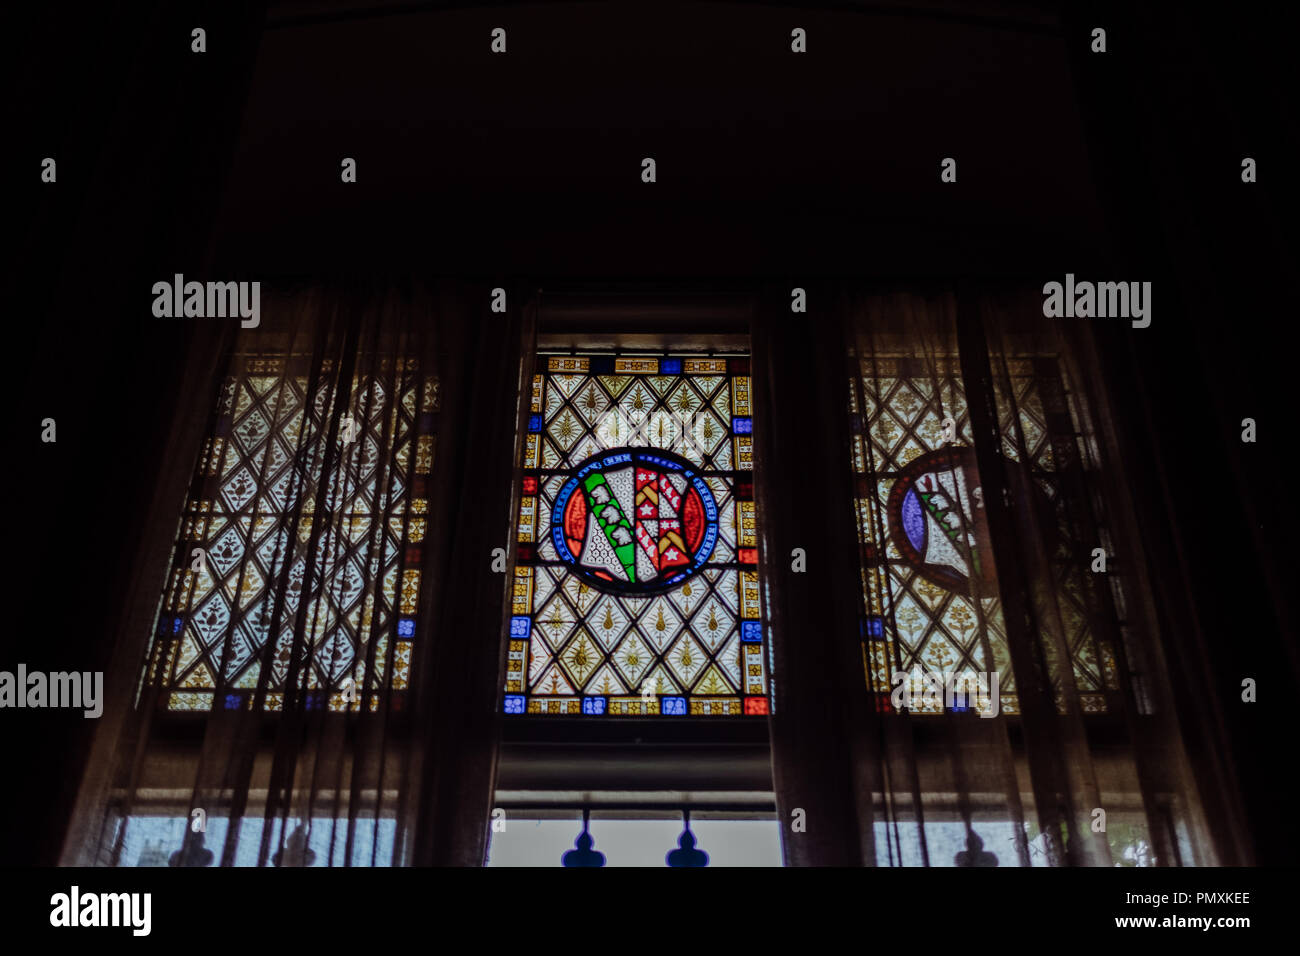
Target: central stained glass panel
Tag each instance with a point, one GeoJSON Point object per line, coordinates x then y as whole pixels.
{"type": "Point", "coordinates": [636, 581]}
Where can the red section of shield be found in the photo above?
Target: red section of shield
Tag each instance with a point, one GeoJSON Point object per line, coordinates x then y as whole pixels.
{"type": "Point", "coordinates": [670, 546]}
{"type": "Point", "coordinates": [575, 522]}
{"type": "Point", "coordinates": [647, 543]}
{"type": "Point", "coordinates": [672, 552]}
{"type": "Point", "coordinates": [647, 509]}
{"type": "Point", "coordinates": [693, 520]}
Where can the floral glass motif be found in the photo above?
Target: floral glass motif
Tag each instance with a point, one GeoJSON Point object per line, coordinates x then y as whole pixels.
{"type": "Point", "coordinates": [930, 581]}
{"type": "Point", "coordinates": [636, 580]}
{"type": "Point", "coordinates": [357, 607]}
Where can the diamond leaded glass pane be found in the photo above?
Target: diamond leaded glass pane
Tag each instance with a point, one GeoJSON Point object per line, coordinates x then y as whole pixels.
{"type": "Point", "coordinates": [636, 586]}
{"type": "Point", "coordinates": [929, 573]}
{"type": "Point", "coordinates": [264, 523]}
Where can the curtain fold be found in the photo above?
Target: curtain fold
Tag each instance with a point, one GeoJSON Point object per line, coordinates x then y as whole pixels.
{"type": "Point", "coordinates": [1116, 603]}
{"type": "Point", "coordinates": [461, 704]}
{"type": "Point", "coordinates": [823, 740]}
{"type": "Point", "coordinates": [974, 675]}
{"type": "Point", "coordinates": [204, 363]}
{"type": "Point", "coordinates": [309, 634]}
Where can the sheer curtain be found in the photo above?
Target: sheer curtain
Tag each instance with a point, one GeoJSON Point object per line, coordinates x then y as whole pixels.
{"type": "Point", "coordinates": [948, 461]}
{"type": "Point", "coordinates": [289, 704]}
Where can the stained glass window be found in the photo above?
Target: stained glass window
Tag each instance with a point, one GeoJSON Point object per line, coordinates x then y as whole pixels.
{"type": "Point", "coordinates": [350, 587]}
{"type": "Point", "coordinates": [636, 586]}
{"type": "Point", "coordinates": [930, 576]}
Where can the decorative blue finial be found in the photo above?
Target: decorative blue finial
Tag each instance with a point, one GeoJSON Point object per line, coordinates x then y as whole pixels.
{"type": "Point", "coordinates": [686, 854]}
{"type": "Point", "coordinates": [975, 854]}
{"type": "Point", "coordinates": [584, 855]}
{"type": "Point", "coordinates": [296, 851]}
{"type": "Point", "coordinates": [192, 851]}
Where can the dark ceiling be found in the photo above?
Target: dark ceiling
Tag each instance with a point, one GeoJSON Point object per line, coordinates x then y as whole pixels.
{"type": "Point", "coordinates": [769, 162]}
